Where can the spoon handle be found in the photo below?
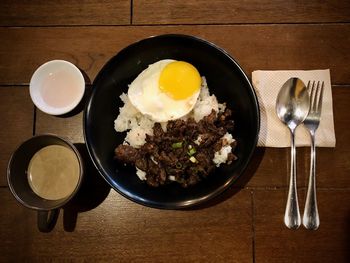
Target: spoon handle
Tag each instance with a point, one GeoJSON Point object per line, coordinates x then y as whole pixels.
{"type": "Point", "coordinates": [311, 219]}
{"type": "Point", "coordinates": [292, 215]}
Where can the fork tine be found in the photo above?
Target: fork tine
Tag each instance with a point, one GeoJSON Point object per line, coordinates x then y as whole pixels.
{"type": "Point", "coordinates": [308, 86]}
{"type": "Point", "coordinates": [312, 97]}
{"type": "Point", "coordinates": [320, 98]}
{"type": "Point", "coordinates": [317, 94]}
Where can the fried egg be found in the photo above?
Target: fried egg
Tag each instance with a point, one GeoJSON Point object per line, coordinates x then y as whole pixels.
{"type": "Point", "coordinates": [166, 90]}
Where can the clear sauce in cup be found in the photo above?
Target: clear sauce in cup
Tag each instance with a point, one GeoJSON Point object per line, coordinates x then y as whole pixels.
{"type": "Point", "coordinates": [57, 87]}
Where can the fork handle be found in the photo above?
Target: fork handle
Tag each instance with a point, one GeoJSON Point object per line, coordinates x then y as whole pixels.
{"type": "Point", "coordinates": [292, 214]}
{"type": "Point", "coordinates": [311, 219]}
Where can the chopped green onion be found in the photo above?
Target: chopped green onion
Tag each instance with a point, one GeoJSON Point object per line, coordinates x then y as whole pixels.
{"type": "Point", "coordinates": [178, 165]}
{"type": "Point", "coordinates": [190, 146]}
{"type": "Point", "coordinates": [192, 159]}
{"type": "Point", "coordinates": [191, 152]}
{"type": "Point", "coordinates": [176, 145]}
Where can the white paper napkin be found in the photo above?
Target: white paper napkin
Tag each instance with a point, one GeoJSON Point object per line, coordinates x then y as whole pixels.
{"type": "Point", "coordinates": [273, 133]}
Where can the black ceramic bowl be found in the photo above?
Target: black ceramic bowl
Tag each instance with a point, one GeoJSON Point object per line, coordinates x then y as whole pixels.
{"type": "Point", "coordinates": [225, 79]}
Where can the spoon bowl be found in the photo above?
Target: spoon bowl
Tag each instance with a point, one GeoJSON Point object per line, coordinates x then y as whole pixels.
{"type": "Point", "coordinates": [292, 107]}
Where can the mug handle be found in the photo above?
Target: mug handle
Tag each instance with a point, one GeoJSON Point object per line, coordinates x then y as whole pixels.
{"type": "Point", "coordinates": [47, 219]}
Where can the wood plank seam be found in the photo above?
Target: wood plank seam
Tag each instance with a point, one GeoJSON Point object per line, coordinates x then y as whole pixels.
{"type": "Point", "coordinates": [178, 24]}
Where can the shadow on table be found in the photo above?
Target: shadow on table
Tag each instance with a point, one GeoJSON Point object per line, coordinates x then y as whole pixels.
{"type": "Point", "coordinates": [91, 194]}
{"type": "Point", "coordinates": [239, 184]}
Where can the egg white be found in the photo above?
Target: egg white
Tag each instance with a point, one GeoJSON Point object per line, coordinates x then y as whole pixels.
{"type": "Point", "coordinates": [145, 95]}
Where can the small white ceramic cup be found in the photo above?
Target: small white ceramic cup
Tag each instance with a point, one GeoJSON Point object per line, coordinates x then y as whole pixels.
{"type": "Point", "coordinates": [57, 87]}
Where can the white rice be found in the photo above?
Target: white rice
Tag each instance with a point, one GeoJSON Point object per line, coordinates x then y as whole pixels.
{"type": "Point", "coordinates": [141, 174]}
{"type": "Point", "coordinates": [138, 125]}
{"type": "Point", "coordinates": [221, 155]}
{"type": "Point", "coordinates": [205, 104]}
{"type": "Point", "coordinates": [199, 140]}
{"type": "Point", "coordinates": [131, 119]}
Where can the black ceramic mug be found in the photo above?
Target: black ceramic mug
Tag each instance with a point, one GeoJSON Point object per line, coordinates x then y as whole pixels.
{"type": "Point", "coordinates": [17, 177]}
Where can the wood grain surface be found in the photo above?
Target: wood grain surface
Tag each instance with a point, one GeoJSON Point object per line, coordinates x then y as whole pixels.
{"type": "Point", "coordinates": [107, 12]}
{"type": "Point", "coordinates": [251, 11]}
{"type": "Point", "coordinates": [126, 231]}
{"type": "Point", "coordinates": [245, 223]}
{"type": "Point", "coordinates": [275, 243]}
{"type": "Point", "coordinates": [66, 12]}
{"type": "Point", "coordinates": [16, 125]}
{"type": "Point", "coordinates": [254, 47]}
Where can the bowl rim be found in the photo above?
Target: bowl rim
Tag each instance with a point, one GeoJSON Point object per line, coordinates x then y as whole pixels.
{"type": "Point", "coordinates": [179, 204]}
{"type": "Point", "coordinates": [62, 110]}
{"type": "Point", "coordinates": [64, 200]}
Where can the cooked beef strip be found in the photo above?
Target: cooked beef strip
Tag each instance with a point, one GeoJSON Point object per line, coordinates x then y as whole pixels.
{"type": "Point", "coordinates": [126, 154]}
{"type": "Point", "coordinates": [175, 153]}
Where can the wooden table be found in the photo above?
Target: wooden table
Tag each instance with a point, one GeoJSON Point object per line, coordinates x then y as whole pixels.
{"type": "Point", "coordinates": [245, 224]}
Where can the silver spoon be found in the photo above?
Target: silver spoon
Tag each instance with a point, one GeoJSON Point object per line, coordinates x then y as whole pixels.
{"type": "Point", "coordinates": [292, 107]}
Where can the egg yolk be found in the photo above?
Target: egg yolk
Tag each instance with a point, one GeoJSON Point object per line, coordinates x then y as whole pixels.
{"type": "Point", "coordinates": [179, 80]}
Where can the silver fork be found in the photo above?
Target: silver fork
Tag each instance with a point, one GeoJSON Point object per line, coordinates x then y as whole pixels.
{"type": "Point", "coordinates": [311, 219]}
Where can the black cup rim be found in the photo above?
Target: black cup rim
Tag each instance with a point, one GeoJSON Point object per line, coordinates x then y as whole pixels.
{"type": "Point", "coordinates": [65, 200]}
